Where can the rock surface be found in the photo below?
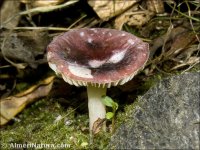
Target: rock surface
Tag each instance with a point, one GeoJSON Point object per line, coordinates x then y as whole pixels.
{"type": "Point", "coordinates": [166, 117]}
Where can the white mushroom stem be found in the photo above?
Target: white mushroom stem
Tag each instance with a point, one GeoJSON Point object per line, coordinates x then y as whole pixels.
{"type": "Point", "coordinates": [96, 108]}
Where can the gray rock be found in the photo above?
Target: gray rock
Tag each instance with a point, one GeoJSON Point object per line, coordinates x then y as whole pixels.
{"type": "Point", "coordinates": [166, 117]}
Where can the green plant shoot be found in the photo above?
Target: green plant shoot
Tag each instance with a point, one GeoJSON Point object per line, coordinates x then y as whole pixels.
{"type": "Point", "coordinates": [110, 103]}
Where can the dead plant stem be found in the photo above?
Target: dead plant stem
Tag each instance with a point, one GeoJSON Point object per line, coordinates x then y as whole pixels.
{"type": "Point", "coordinates": [40, 10]}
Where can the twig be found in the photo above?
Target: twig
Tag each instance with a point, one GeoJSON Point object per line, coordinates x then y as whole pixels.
{"type": "Point", "coordinates": [41, 28]}
{"type": "Point", "coordinates": [137, 12]}
{"type": "Point", "coordinates": [76, 22]}
{"type": "Point", "coordinates": [183, 14]}
{"type": "Point", "coordinates": [29, 17]}
{"type": "Point", "coordinates": [191, 23]}
{"type": "Point", "coordinates": [40, 10]}
{"type": "Point", "coordinates": [190, 67]}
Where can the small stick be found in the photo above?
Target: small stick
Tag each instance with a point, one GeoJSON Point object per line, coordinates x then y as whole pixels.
{"type": "Point", "coordinates": [41, 28]}
{"type": "Point", "coordinates": [39, 10]}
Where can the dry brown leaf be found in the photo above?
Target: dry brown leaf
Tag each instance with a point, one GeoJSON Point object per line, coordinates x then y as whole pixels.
{"type": "Point", "coordinates": [98, 125]}
{"type": "Point", "coordinates": [180, 42]}
{"type": "Point", "coordinates": [107, 9]}
{"type": "Point", "coordinates": [159, 41]}
{"type": "Point", "coordinates": [123, 18]}
{"type": "Point", "coordinates": [133, 17]}
{"type": "Point", "coordinates": [9, 9]}
{"type": "Point", "coordinates": [156, 6]}
{"type": "Point", "coordinates": [139, 18]}
{"type": "Point", "coordinates": [11, 106]}
{"type": "Point", "coordinates": [25, 46]}
{"type": "Point", "coordinates": [188, 52]}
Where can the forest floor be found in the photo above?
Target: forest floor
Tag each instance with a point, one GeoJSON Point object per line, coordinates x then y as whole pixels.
{"type": "Point", "coordinates": [39, 107]}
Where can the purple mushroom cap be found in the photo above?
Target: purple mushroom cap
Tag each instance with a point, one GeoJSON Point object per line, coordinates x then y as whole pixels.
{"type": "Point", "coordinates": [97, 56]}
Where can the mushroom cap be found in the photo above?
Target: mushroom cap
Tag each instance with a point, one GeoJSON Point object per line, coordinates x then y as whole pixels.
{"type": "Point", "coordinates": [97, 56]}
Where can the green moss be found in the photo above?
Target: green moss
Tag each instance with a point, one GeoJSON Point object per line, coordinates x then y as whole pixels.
{"type": "Point", "coordinates": [46, 121]}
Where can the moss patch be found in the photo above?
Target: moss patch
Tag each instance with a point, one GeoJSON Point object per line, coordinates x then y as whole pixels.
{"type": "Point", "coordinates": [47, 122]}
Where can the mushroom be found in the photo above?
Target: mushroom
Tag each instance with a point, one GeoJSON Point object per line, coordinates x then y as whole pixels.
{"type": "Point", "coordinates": [97, 58]}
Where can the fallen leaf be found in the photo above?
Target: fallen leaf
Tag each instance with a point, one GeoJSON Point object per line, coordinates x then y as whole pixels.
{"type": "Point", "coordinates": [24, 47]}
{"type": "Point", "coordinates": [159, 41]}
{"type": "Point", "coordinates": [124, 18]}
{"type": "Point", "coordinates": [107, 9]}
{"type": "Point", "coordinates": [8, 10]}
{"type": "Point", "coordinates": [98, 125]}
{"type": "Point", "coordinates": [156, 6]}
{"type": "Point", "coordinates": [11, 106]}
{"type": "Point", "coordinates": [180, 42]}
